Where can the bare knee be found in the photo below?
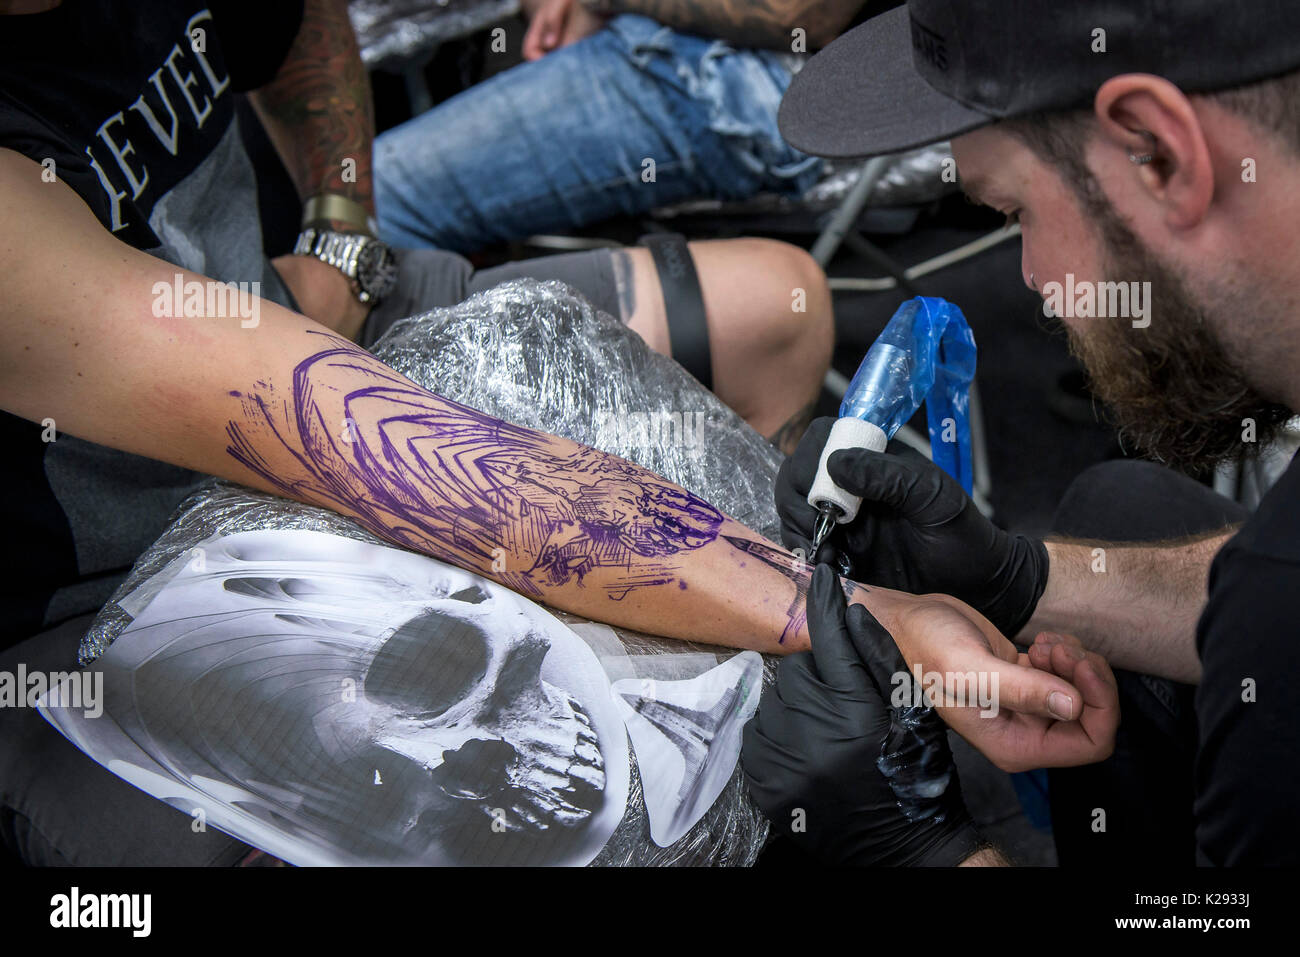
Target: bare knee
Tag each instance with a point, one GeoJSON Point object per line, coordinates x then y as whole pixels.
{"type": "Point", "coordinates": [766, 297]}
{"type": "Point", "coordinates": [770, 325]}
{"type": "Point", "coordinates": [808, 327]}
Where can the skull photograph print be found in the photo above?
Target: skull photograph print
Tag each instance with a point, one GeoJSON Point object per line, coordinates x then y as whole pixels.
{"type": "Point", "coordinates": [336, 702]}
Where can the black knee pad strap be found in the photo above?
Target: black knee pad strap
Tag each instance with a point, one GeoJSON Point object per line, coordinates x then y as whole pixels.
{"type": "Point", "coordinates": [688, 326]}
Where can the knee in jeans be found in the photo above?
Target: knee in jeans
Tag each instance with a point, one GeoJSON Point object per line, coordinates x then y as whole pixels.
{"type": "Point", "coordinates": [1105, 477]}
{"type": "Point", "coordinates": [1098, 486]}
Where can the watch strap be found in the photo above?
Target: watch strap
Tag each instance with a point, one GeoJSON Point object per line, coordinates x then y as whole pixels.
{"type": "Point", "coordinates": [345, 251]}
{"type": "Point", "coordinates": [339, 250]}
{"type": "Point", "coordinates": [331, 207]}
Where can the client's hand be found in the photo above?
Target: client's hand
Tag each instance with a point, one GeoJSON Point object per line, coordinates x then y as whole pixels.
{"type": "Point", "coordinates": [323, 293]}
{"type": "Point", "coordinates": [1050, 708]}
{"type": "Point", "coordinates": [849, 777]}
{"type": "Point", "coordinates": [556, 23]}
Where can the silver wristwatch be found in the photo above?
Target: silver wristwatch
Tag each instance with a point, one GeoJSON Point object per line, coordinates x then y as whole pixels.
{"type": "Point", "coordinates": [368, 262]}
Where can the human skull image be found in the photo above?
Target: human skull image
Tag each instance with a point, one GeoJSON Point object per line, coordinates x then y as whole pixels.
{"type": "Point", "coordinates": [369, 705]}
{"type": "Point", "coordinates": [458, 690]}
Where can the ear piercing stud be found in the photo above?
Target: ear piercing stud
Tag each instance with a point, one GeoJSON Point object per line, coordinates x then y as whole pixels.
{"type": "Point", "coordinates": [1141, 159]}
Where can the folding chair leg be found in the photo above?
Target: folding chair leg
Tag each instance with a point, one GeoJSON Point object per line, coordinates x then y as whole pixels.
{"type": "Point", "coordinates": [846, 214]}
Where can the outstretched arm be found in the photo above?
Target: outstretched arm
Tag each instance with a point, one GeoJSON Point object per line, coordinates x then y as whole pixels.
{"type": "Point", "coordinates": [287, 406]}
{"type": "Point", "coordinates": [557, 521]}
{"type": "Point", "coordinates": [1136, 605]}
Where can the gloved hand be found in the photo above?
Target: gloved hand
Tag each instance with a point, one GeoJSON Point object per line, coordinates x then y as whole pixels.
{"type": "Point", "coordinates": [917, 531]}
{"type": "Point", "coordinates": [876, 784]}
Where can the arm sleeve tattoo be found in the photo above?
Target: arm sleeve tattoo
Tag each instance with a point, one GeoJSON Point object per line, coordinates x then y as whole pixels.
{"type": "Point", "coordinates": [318, 109]}
{"type": "Point", "coordinates": [530, 510]}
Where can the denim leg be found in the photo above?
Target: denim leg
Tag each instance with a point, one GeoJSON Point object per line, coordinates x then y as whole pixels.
{"type": "Point", "coordinates": [560, 142]}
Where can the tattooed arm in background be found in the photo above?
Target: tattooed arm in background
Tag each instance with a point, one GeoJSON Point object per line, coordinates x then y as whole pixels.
{"type": "Point", "coordinates": [289, 407]}
{"type": "Point", "coordinates": [318, 113]}
{"type": "Point", "coordinates": [751, 23]}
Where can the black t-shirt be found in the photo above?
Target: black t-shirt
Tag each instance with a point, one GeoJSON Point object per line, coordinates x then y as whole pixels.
{"type": "Point", "coordinates": [1247, 779]}
{"type": "Point", "coordinates": [131, 104]}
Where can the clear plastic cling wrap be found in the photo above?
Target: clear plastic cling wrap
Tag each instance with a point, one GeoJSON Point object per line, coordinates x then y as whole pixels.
{"type": "Point", "coordinates": [539, 355]}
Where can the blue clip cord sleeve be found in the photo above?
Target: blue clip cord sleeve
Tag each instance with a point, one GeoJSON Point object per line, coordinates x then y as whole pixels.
{"type": "Point", "coordinates": [926, 353]}
{"type": "Point", "coordinates": [942, 333]}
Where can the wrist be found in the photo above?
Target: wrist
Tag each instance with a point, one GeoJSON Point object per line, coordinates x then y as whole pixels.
{"type": "Point", "coordinates": [1026, 572]}
{"type": "Point", "coordinates": [953, 843]}
{"type": "Point", "coordinates": [322, 293]}
{"type": "Point", "coordinates": [986, 856]}
{"type": "Point", "coordinates": [888, 606]}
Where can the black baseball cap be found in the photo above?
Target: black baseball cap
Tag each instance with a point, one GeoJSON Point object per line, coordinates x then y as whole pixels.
{"type": "Point", "coordinates": [931, 69]}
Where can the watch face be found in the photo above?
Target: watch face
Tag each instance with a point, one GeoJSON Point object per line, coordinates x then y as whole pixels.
{"type": "Point", "coordinates": [376, 270]}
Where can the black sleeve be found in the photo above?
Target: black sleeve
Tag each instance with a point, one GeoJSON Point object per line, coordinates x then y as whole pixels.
{"type": "Point", "coordinates": [255, 37]}
{"type": "Point", "coordinates": [1247, 777]}
{"type": "Point", "coordinates": [38, 140]}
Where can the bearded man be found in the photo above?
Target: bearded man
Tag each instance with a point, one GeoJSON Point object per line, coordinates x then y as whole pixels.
{"type": "Point", "coordinates": [1151, 149]}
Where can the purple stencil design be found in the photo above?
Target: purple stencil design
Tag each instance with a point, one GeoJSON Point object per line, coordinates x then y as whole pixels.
{"type": "Point", "coordinates": [791, 568]}
{"type": "Point", "coordinates": [795, 570]}
{"type": "Point", "coordinates": [442, 478]}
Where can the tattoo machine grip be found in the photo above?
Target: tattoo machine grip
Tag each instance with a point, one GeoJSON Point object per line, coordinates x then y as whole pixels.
{"type": "Point", "coordinates": [846, 433]}
{"type": "Point", "coordinates": [926, 353]}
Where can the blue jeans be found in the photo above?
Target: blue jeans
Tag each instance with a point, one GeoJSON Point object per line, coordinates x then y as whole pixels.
{"type": "Point", "coordinates": [561, 142]}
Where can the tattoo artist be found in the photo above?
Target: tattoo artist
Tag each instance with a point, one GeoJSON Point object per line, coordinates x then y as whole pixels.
{"type": "Point", "coordinates": [1135, 176]}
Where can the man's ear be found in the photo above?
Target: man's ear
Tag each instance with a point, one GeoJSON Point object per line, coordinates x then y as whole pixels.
{"type": "Point", "coordinates": [1142, 114]}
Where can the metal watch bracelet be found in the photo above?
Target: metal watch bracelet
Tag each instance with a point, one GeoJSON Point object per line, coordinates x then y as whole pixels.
{"type": "Point", "coordinates": [343, 251]}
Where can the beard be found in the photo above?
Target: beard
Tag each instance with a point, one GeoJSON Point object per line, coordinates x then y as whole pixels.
{"type": "Point", "coordinates": [1172, 388]}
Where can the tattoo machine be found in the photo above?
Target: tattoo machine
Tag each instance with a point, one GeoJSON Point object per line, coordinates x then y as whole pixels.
{"type": "Point", "coordinates": [926, 353]}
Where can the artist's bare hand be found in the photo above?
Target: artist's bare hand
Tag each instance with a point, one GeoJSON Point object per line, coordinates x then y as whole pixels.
{"type": "Point", "coordinates": [1090, 738]}
{"type": "Point", "coordinates": [557, 23]}
{"type": "Point", "coordinates": [1051, 709]}
{"type": "Point", "coordinates": [323, 293]}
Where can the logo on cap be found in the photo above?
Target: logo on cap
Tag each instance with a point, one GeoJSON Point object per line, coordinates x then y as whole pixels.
{"type": "Point", "coordinates": [929, 45]}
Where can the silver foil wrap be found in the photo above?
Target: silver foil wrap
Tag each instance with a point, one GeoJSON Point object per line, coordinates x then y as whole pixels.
{"type": "Point", "coordinates": [911, 178]}
{"type": "Point", "coordinates": [392, 31]}
{"type": "Point", "coordinates": [539, 355]}
{"type": "Point", "coordinates": [915, 176]}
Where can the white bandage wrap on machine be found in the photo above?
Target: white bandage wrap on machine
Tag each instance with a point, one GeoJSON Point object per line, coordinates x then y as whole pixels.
{"type": "Point", "coordinates": [846, 433]}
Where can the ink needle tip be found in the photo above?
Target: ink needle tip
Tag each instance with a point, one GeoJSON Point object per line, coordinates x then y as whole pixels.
{"type": "Point", "coordinates": [826, 519]}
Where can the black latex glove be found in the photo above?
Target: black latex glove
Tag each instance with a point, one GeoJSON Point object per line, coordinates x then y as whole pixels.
{"type": "Point", "coordinates": [917, 531]}
{"type": "Point", "coordinates": [835, 767]}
